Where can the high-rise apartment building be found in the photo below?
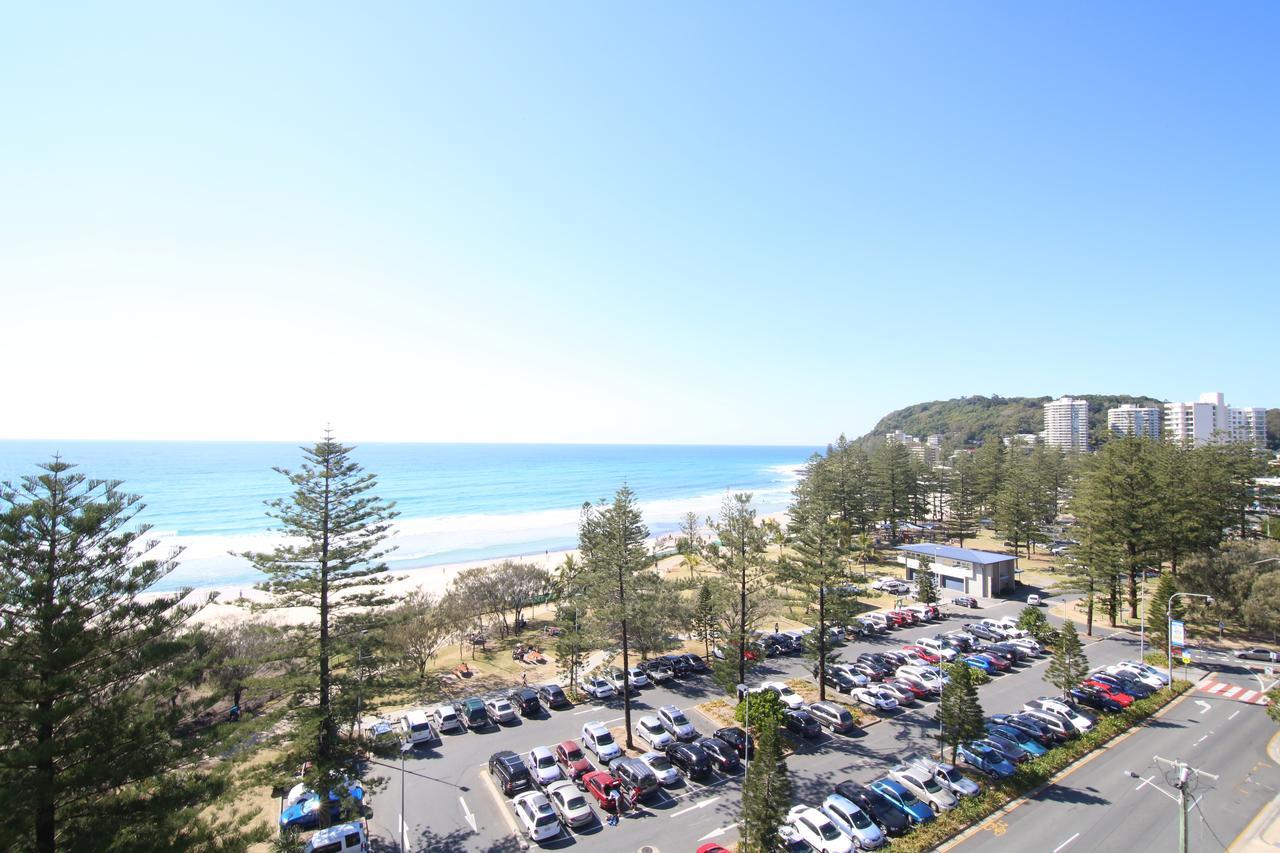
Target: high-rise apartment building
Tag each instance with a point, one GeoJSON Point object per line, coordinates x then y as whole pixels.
{"type": "Point", "coordinates": [1066, 424]}
{"type": "Point", "coordinates": [1211, 421]}
{"type": "Point", "coordinates": [1130, 419]}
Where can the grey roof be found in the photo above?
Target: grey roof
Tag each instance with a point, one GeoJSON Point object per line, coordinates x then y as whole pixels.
{"type": "Point", "coordinates": [969, 555]}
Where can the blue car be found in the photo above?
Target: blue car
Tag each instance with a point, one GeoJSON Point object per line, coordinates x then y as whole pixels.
{"type": "Point", "coordinates": [903, 800]}
{"type": "Point", "coordinates": [979, 662]}
{"type": "Point", "coordinates": [1029, 745]}
{"type": "Point", "coordinates": [305, 813]}
{"type": "Point", "coordinates": [986, 759]}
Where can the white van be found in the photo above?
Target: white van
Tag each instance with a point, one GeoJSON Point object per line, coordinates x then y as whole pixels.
{"type": "Point", "coordinates": [878, 618]}
{"type": "Point", "coordinates": [446, 719]}
{"type": "Point", "coordinates": [938, 648]}
{"type": "Point", "coordinates": [343, 838]}
{"type": "Point", "coordinates": [416, 727]}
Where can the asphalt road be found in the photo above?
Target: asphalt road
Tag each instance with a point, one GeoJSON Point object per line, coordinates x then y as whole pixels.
{"type": "Point", "coordinates": [452, 806]}
{"type": "Point", "coordinates": [1101, 807]}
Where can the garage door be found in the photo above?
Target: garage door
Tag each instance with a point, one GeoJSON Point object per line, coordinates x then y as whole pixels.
{"type": "Point", "coordinates": [956, 584]}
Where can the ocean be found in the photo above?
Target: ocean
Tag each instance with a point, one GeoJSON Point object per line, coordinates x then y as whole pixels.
{"type": "Point", "coordinates": [457, 502]}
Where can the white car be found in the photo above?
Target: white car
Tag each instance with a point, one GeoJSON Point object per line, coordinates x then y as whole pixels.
{"type": "Point", "coordinates": [541, 762]}
{"type": "Point", "coordinates": [853, 822]}
{"type": "Point", "coordinates": [570, 803]}
{"type": "Point", "coordinates": [1146, 669]}
{"type": "Point", "coordinates": [788, 696]}
{"type": "Point", "coordinates": [650, 730]}
{"type": "Point", "coordinates": [1054, 705]}
{"type": "Point", "coordinates": [661, 768]}
{"type": "Point", "coordinates": [925, 787]}
{"type": "Point", "coordinates": [675, 722]}
{"type": "Point", "coordinates": [500, 710]}
{"type": "Point", "coordinates": [446, 719]}
{"type": "Point", "coordinates": [636, 678]}
{"type": "Point", "coordinates": [1029, 644]}
{"type": "Point", "coordinates": [931, 676]}
{"type": "Point", "coordinates": [1034, 600]}
{"type": "Point", "coordinates": [416, 727]}
{"type": "Point", "coordinates": [597, 738]}
{"type": "Point", "coordinates": [901, 694]}
{"type": "Point", "coordinates": [938, 648]}
{"type": "Point", "coordinates": [818, 831]}
{"type": "Point", "coordinates": [614, 677]}
{"type": "Point", "coordinates": [874, 697]}
{"type": "Point", "coordinates": [537, 816]}
{"type": "Point", "coordinates": [597, 688]}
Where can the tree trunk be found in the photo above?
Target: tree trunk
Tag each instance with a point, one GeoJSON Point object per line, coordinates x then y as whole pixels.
{"type": "Point", "coordinates": [46, 773]}
{"type": "Point", "coordinates": [626, 665]}
{"type": "Point", "coordinates": [822, 642]}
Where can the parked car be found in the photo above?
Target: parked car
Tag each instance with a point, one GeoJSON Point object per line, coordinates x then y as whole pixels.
{"type": "Point", "coordinates": [661, 767]}
{"type": "Point", "coordinates": [1007, 747]}
{"type": "Point", "coordinates": [304, 810]}
{"type": "Point", "coordinates": [927, 655]}
{"type": "Point", "coordinates": [903, 695]}
{"type": "Point", "coordinates": [801, 723]}
{"type": "Point", "coordinates": [933, 677]}
{"type": "Point", "coordinates": [637, 780]}
{"type": "Point", "coordinates": [447, 719]}
{"type": "Point", "coordinates": [499, 711]}
{"type": "Point", "coordinates": [965, 601]}
{"type": "Point", "coordinates": [947, 776]}
{"type": "Point", "coordinates": [658, 671]}
{"type": "Point", "coordinates": [997, 661]}
{"type": "Point", "coordinates": [416, 728]}
{"type": "Point", "coordinates": [536, 816]}
{"type": "Point", "coordinates": [1029, 645]}
{"type": "Point", "coordinates": [741, 742]}
{"type": "Point", "coordinates": [926, 788]}
{"type": "Point", "coordinates": [598, 784]}
{"type": "Point", "coordinates": [723, 757]}
{"type": "Point", "coordinates": [638, 678]}
{"type": "Point", "coordinates": [570, 803]}
{"type": "Point", "coordinates": [1258, 653]}
{"type": "Point", "coordinates": [1081, 721]}
{"type": "Point", "coordinates": [597, 738]}
{"type": "Point", "coordinates": [690, 760]}
{"type": "Point", "coordinates": [983, 632]}
{"type": "Point", "coordinates": [920, 687]}
{"type": "Point", "coordinates": [832, 716]}
{"type": "Point", "coordinates": [1096, 696]}
{"type": "Point", "coordinates": [891, 820]}
{"type": "Point", "coordinates": [696, 664]}
{"type": "Point", "coordinates": [571, 760]}
{"type": "Point", "coordinates": [981, 662]}
{"type": "Point", "coordinates": [472, 713]}
{"type": "Point", "coordinates": [553, 696]}
{"type": "Point", "coordinates": [343, 838]}
{"type": "Point", "coordinates": [525, 700]}
{"type": "Point", "coordinates": [818, 831]}
{"type": "Point", "coordinates": [509, 772]}
{"type": "Point", "coordinates": [679, 666]}
{"type": "Point", "coordinates": [541, 761]}
{"type": "Point", "coordinates": [1029, 744]}
{"type": "Point", "coordinates": [875, 697]}
{"type": "Point", "coordinates": [851, 820]}
{"type": "Point", "coordinates": [1034, 600]}
{"type": "Point", "coordinates": [649, 729]}
{"type": "Point", "coordinates": [938, 648]}
{"type": "Point", "coordinates": [1121, 684]}
{"type": "Point", "coordinates": [903, 800]}
{"type": "Point", "coordinates": [1059, 725]}
{"type": "Point", "coordinates": [598, 688]}
{"type": "Point", "coordinates": [842, 681]}
{"type": "Point", "coordinates": [911, 688]}
{"type": "Point", "coordinates": [788, 696]}
{"type": "Point", "coordinates": [676, 723]}
{"type": "Point", "coordinates": [1043, 735]}
{"type": "Point", "coordinates": [985, 759]}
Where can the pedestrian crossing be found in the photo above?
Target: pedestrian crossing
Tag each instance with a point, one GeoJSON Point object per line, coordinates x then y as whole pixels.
{"type": "Point", "coordinates": [1235, 692]}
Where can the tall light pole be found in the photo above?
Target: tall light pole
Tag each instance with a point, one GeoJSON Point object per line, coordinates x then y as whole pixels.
{"type": "Point", "coordinates": [1142, 617]}
{"type": "Point", "coordinates": [1168, 621]}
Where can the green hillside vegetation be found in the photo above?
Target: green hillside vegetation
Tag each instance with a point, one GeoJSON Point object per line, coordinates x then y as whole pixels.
{"type": "Point", "coordinates": [973, 420]}
{"type": "Point", "coordinates": [1273, 429]}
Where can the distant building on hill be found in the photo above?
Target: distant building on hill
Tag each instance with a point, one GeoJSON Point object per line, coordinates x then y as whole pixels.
{"type": "Point", "coordinates": [1210, 420]}
{"type": "Point", "coordinates": [1066, 424]}
{"type": "Point", "coordinates": [1028, 439]}
{"type": "Point", "coordinates": [1130, 419]}
{"type": "Point", "coordinates": [925, 450]}
{"type": "Point", "coordinates": [965, 570]}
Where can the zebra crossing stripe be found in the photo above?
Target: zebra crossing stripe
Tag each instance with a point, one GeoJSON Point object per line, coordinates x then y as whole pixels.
{"type": "Point", "coordinates": [1233, 691]}
{"type": "Point", "coordinates": [1216, 687]}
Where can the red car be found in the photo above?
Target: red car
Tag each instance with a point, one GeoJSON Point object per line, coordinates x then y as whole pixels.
{"type": "Point", "coordinates": [910, 615]}
{"type": "Point", "coordinates": [599, 784]}
{"type": "Point", "coordinates": [898, 619]}
{"type": "Point", "coordinates": [996, 661]}
{"type": "Point", "coordinates": [1122, 699]}
{"type": "Point", "coordinates": [571, 760]}
{"type": "Point", "coordinates": [712, 848]}
{"type": "Point", "coordinates": [922, 652]}
{"type": "Point", "coordinates": [916, 690]}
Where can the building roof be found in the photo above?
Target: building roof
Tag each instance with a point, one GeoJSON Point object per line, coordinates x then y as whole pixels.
{"type": "Point", "coordinates": [969, 555]}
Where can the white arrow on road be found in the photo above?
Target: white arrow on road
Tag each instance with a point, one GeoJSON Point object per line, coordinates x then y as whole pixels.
{"type": "Point", "coordinates": [1204, 706]}
{"type": "Point", "coordinates": [466, 812]}
{"type": "Point", "coordinates": [716, 833]}
{"type": "Point", "coordinates": [701, 805]}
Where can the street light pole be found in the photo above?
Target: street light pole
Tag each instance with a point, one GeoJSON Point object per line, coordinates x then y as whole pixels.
{"type": "Point", "coordinates": [1168, 621]}
{"type": "Point", "coordinates": [1142, 617]}
{"type": "Point", "coordinates": [405, 746]}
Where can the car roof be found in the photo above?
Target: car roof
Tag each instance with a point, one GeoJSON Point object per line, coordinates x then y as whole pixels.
{"type": "Point", "coordinates": [540, 750]}
{"type": "Point", "coordinates": [595, 727]}
{"type": "Point", "coordinates": [650, 720]}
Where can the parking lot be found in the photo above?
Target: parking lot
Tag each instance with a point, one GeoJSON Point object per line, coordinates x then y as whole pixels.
{"type": "Point", "coordinates": [450, 803]}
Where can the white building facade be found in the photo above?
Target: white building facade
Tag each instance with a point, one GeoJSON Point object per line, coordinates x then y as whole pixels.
{"type": "Point", "coordinates": [1066, 424]}
{"type": "Point", "coordinates": [1129, 419]}
{"type": "Point", "coordinates": [1211, 421]}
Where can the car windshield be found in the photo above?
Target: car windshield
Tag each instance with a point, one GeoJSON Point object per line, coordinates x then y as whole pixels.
{"type": "Point", "coordinates": [931, 785]}
{"type": "Point", "coordinates": [651, 727]}
{"type": "Point", "coordinates": [574, 754]}
{"type": "Point", "coordinates": [416, 727]}
{"type": "Point", "coordinates": [502, 706]}
{"type": "Point", "coordinates": [545, 819]}
{"type": "Point", "coordinates": [604, 737]}
{"type": "Point", "coordinates": [677, 719]}
{"type": "Point", "coordinates": [546, 760]}
{"type": "Point", "coordinates": [660, 763]}
{"type": "Point", "coordinates": [907, 796]}
{"type": "Point", "coordinates": [828, 830]}
{"type": "Point", "coordinates": [860, 820]}
{"type": "Point", "coordinates": [784, 690]}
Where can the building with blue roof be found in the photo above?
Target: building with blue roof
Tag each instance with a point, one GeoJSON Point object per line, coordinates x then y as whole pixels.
{"type": "Point", "coordinates": [962, 570]}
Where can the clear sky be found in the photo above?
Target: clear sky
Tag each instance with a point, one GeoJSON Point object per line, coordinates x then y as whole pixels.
{"type": "Point", "coordinates": [647, 222]}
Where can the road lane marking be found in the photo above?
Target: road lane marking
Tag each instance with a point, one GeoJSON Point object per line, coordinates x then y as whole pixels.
{"type": "Point", "coordinates": [1144, 782]}
{"type": "Point", "coordinates": [1248, 695]}
{"type": "Point", "coordinates": [466, 812]}
{"type": "Point", "coordinates": [1233, 691]}
{"type": "Point", "coordinates": [1065, 843]}
{"type": "Point", "coordinates": [1233, 715]}
{"type": "Point", "coordinates": [701, 805]}
{"type": "Point", "coordinates": [1204, 706]}
{"type": "Point", "coordinates": [1202, 737]}
{"type": "Point", "coordinates": [1217, 688]}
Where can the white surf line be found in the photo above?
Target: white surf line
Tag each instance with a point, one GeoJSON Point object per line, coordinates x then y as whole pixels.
{"type": "Point", "coordinates": [1065, 843]}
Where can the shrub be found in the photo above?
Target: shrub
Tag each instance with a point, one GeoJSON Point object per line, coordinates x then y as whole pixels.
{"type": "Point", "coordinates": [978, 676]}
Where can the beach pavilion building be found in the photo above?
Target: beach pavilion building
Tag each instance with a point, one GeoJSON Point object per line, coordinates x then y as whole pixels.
{"type": "Point", "coordinates": [962, 570]}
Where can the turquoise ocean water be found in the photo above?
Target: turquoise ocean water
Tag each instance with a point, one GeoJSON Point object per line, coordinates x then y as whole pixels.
{"type": "Point", "coordinates": [457, 502]}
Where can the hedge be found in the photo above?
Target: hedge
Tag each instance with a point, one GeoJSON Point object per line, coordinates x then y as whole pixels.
{"type": "Point", "coordinates": [1032, 774]}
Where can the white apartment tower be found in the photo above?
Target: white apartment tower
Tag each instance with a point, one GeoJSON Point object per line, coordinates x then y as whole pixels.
{"type": "Point", "coordinates": [1211, 421]}
{"type": "Point", "coordinates": [1142, 421]}
{"type": "Point", "coordinates": [1066, 424]}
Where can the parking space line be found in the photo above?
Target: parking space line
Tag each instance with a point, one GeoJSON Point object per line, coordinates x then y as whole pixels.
{"type": "Point", "coordinates": [1144, 782]}
{"type": "Point", "coordinates": [1065, 843]}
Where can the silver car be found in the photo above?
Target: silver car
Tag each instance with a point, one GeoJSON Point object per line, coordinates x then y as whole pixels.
{"type": "Point", "coordinates": [570, 803]}
{"type": "Point", "coordinates": [541, 762]}
{"type": "Point", "coordinates": [650, 730]}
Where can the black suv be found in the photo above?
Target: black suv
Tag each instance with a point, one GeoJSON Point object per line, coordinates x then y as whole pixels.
{"type": "Point", "coordinates": [696, 663]}
{"type": "Point", "coordinates": [472, 713]}
{"type": "Point", "coordinates": [510, 772]}
{"type": "Point", "coordinates": [801, 723]}
{"type": "Point", "coordinates": [551, 696]}
{"type": "Point", "coordinates": [723, 756]}
{"type": "Point", "coordinates": [838, 680]}
{"type": "Point", "coordinates": [738, 739]}
{"type": "Point", "coordinates": [525, 700]}
{"type": "Point", "coordinates": [679, 666]}
{"type": "Point", "coordinates": [689, 760]}
{"type": "Point", "coordinates": [886, 816]}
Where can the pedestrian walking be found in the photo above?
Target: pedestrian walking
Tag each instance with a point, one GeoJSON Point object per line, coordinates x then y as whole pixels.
{"type": "Point", "coordinates": [615, 799]}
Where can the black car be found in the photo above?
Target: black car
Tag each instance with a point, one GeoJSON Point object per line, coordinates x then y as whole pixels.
{"type": "Point", "coordinates": [696, 664]}
{"type": "Point", "coordinates": [690, 760]}
{"type": "Point", "coordinates": [1128, 686]}
{"type": "Point", "coordinates": [552, 696]}
{"type": "Point", "coordinates": [960, 644]}
{"type": "Point", "coordinates": [741, 742]}
{"type": "Point", "coordinates": [525, 700]}
{"type": "Point", "coordinates": [801, 723]}
{"type": "Point", "coordinates": [964, 601]}
{"type": "Point", "coordinates": [886, 816]}
{"type": "Point", "coordinates": [510, 772]}
{"type": "Point", "coordinates": [678, 665]}
{"type": "Point", "coordinates": [1095, 698]}
{"type": "Point", "coordinates": [839, 680]}
{"type": "Point", "coordinates": [1018, 652]}
{"type": "Point", "coordinates": [723, 757]}
{"type": "Point", "coordinates": [1001, 651]}
{"type": "Point", "coordinates": [873, 671]}
{"type": "Point", "coordinates": [896, 659]}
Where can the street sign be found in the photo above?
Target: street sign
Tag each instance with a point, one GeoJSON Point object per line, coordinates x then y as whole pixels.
{"type": "Point", "coordinates": [1177, 633]}
{"type": "Point", "coordinates": [1186, 656]}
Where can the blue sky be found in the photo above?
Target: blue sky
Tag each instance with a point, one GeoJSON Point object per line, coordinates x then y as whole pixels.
{"type": "Point", "coordinates": [725, 223]}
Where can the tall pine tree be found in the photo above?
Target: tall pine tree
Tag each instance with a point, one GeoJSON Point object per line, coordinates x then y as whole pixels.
{"type": "Point", "coordinates": [1069, 665]}
{"type": "Point", "coordinates": [959, 711]}
{"type": "Point", "coordinates": [739, 558]}
{"type": "Point", "coordinates": [766, 794]}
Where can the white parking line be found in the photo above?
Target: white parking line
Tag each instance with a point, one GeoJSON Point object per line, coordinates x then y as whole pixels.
{"type": "Point", "coordinates": [1065, 843]}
